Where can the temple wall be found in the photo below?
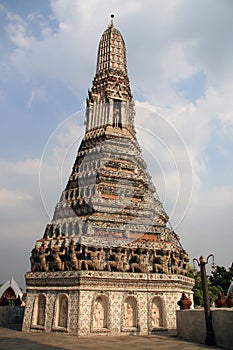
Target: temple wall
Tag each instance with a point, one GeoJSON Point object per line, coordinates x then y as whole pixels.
{"type": "Point", "coordinates": [223, 324]}
{"type": "Point", "coordinates": [11, 315]}
{"type": "Point", "coordinates": [191, 325]}
{"type": "Point", "coordinates": [86, 303]}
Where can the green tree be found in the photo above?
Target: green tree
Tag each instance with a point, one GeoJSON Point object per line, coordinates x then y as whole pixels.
{"type": "Point", "coordinates": [197, 289]}
{"type": "Point", "coordinates": [222, 278]}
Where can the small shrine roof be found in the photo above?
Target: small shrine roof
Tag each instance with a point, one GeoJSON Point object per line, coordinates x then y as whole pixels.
{"type": "Point", "coordinates": [14, 285]}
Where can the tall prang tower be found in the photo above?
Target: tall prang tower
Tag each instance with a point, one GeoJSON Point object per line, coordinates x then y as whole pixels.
{"type": "Point", "coordinates": [107, 262]}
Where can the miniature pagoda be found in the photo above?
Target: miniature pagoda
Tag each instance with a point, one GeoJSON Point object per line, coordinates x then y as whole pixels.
{"type": "Point", "coordinates": [107, 262]}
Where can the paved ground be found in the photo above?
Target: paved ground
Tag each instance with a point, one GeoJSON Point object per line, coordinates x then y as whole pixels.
{"type": "Point", "coordinates": [16, 340]}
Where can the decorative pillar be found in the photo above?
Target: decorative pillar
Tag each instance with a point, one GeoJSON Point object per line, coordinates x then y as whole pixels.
{"type": "Point", "coordinates": [209, 340]}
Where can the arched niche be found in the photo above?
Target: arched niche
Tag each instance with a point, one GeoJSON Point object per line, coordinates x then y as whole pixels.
{"type": "Point", "coordinates": [70, 229]}
{"type": "Point", "coordinates": [76, 228]}
{"type": "Point", "coordinates": [157, 319]}
{"type": "Point", "coordinates": [100, 312]}
{"type": "Point", "coordinates": [130, 312]}
{"type": "Point", "coordinates": [39, 311]}
{"type": "Point", "coordinates": [63, 229]}
{"type": "Point", "coordinates": [61, 311]}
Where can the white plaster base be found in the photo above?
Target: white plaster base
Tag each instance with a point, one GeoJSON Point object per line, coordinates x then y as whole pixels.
{"type": "Point", "coordinates": [114, 303]}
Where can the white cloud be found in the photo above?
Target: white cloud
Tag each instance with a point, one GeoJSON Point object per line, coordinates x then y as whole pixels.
{"type": "Point", "coordinates": [208, 225]}
{"type": "Point", "coordinates": [11, 198]}
{"type": "Point", "coordinates": [37, 94]}
{"type": "Point", "coordinates": [168, 160]}
{"type": "Point", "coordinates": [26, 167]}
{"type": "Point", "coordinates": [173, 43]}
{"type": "Point", "coordinates": [22, 215]}
{"type": "Point", "coordinates": [17, 32]}
{"type": "Point", "coordinates": [57, 160]}
{"type": "Point", "coordinates": [19, 193]}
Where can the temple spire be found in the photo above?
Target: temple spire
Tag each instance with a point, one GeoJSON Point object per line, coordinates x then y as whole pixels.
{"type": "Point", "coordinates": [112, 51]}
{"type": "Point", "coordinates": [110, 102]}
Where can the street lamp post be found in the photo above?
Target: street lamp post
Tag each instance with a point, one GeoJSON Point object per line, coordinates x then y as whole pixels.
{"type": "Point", "coordinates": [209, 340]}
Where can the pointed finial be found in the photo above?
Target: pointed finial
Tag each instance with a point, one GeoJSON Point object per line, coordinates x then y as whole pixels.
{"type": "Point", "coordinates": [112, 16]}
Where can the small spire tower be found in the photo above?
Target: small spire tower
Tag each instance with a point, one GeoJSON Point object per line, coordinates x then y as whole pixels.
{"type": "Point", "coordinates": [110, 99]}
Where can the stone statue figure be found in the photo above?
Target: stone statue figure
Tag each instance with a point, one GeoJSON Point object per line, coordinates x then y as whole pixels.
{"type": "Point", "coordinates": [63, 312]}
{"type": "Point", "coordinates": [184, 259]}
{"type": "Point", "coordinates": [175, 262]}
{"type": "Point", "coordinates": [74, 263]}
{"type": "Point", "coordinates": [96, 259]}
{"type": "Point", "coordinates": [98, 315]}
{"type": "Point", "coordinates": [142, 261]}
{"type": "Point", "coordinates": [164, 257]}
{"type": "Point", "coordinates": [157, 262]}
{"type": "Point", "coordinates": [56, 254]}
{"type": "Point", "coordinates": [34, 259]}
{"type": "Point", "coordinates": [101, 257]}
{"type": "Point", "coordinates": [155, 315]}
{"type": "Point", "coordinates": [120, 262]}
{"type": "Point", "coordinates": [116, 117]}
{"type": "Point", "coordinates": [129, 314]}
{"type": "Point", "coordinates": [42, 258]}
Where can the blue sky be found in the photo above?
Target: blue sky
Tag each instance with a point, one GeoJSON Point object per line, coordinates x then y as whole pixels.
{"type": "Point", "coordinates": [180, 67]}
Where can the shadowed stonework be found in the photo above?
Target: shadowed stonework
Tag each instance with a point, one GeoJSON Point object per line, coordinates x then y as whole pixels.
{"type": "Point", "coordinates": [108, 262]}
